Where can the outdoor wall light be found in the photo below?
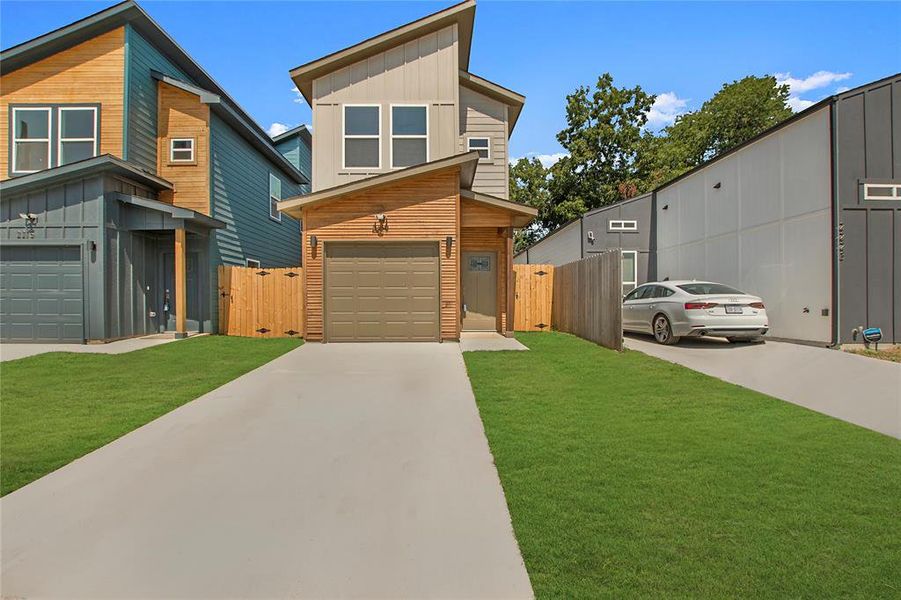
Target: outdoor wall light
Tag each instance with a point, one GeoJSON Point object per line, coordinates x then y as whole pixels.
{"type": "Point", "coordinates": [666, 207]}
{"type": "Point", "coordinates": [448, 242]}
{"type": "Point", "coordinates": [381, 224]}
{"type": "Point", "coordinates": [717, 185]}
{"type": "Point", "coordinates": [313, 242]}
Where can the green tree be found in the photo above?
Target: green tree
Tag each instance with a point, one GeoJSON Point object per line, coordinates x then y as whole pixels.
{"type": "Point", "coordinates": [529, 185]}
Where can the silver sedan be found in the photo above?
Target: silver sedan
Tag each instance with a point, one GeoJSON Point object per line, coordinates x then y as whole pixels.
{"type": "Point", "coordinates": [670, 310]}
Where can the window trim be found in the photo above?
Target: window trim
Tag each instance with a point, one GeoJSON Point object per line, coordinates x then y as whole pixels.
{"type": "Point", "coordinates": [621, 225]}
{"type": "Point", "coordinates": [345, 137]}
{"type": "Point", "coordinates": [59, 130]}
{"type": "Point", "coordinates": [487, 139]}
{"type": "Point", "coordinates": [634, 281]}
{"type": "Point", "coordinates": [182, 161]}
{"type": "Point", "coordinates": [247, 262]}
{"type": "Point", "coordinates": [12, 137]}
{"type": "Point", "coordinates": [895, 188]}
{"type": "Point", "coordinates": [406, 137]}
{"type": "Point", "coordinates": [278, 215]}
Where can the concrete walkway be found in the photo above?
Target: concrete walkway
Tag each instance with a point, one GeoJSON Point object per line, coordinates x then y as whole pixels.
{"type": "Point", "coordinates": [340, 470]}
{"type": "Point", "coordinates": [16, 351]}
{"type": "Point", "coordinates": [488, 341]}
{"type": "Point", "coordinates": [860, 390]}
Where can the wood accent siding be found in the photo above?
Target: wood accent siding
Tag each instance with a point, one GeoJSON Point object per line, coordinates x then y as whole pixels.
{"type": "Point", "coordinates": [494, 239]}
{"type": "Point", "coordinates": [421, 71]}
{"type": "Point", "coordinates": [481, 116]}
{"type": "Point", "coordinates": [182, 115]}
{"type": "Point", "coordinates": [90, 73]}
{"type": "Point", "coordinates": [421, 208]}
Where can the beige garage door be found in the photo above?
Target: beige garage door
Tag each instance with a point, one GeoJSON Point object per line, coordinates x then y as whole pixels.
{"type": "Point", "coordinates": [381, 292]}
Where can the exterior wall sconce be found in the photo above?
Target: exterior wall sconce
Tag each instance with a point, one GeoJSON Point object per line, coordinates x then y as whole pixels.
{"type": "Point", "coordinates": [717, 185]}
{"type": "Point", "coordinates": [590, 237]}
{"type": "Point", "coordinates": [448, 244]}
{"type": "Point", "coordinates": [313, 242]}
{"type": "Point", "coordinates": [666, 207]}
{"type": "Point", "coordinates": [381, 224]}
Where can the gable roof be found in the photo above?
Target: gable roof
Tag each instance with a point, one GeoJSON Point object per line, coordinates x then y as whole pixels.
{"type": "Point", "coordinates": [130, 13]}
{"type": "Point", "coordinates": [463, 14]}
{"type": "Point", "coordinates": [301, 130]}
{"type": "Point", "coordinates": [497, 92]}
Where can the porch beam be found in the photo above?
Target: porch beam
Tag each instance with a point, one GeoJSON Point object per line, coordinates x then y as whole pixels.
{"type": "Point", "coordinates": [181, 283]}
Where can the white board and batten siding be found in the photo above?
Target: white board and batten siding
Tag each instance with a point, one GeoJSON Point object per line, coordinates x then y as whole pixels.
{"type": "Point", "coordinates": [765, 229]}
{"type": "Point", "coordinates": [421, 71]}
{"type": "Point", "coordinates": [560, 247]}
{"type": "Point", "coordinates": [484, 117]}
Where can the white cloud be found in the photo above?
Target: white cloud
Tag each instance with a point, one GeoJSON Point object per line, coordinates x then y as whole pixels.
{"type": "Point", "coordinates": [278, 129]}
{"type": "Point", "coordinates": [667, 106]}
{"type": "Point", "coordinates": [841, 88]}
{"type": "Point", "coordinates": [817, 81]}
{"type": "Point", "coordinates": [299, 97]}
{"type": "Point", "coordinates": [545, 159]}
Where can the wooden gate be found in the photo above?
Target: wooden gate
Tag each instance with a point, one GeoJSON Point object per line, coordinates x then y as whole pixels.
{"type": "Point", "coordinates": [534, 287]}
{"type": "Point", "coordinates": [256, 302]}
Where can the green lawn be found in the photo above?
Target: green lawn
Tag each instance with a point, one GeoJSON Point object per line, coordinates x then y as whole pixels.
{"type": "Point", "coordinates": [627, 476]}
{"type": "Point", "coordinates": [57, 407]}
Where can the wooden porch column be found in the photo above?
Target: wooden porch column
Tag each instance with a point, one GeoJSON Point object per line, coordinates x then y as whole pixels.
{"type": "Point", "coordinates": [511, 302]}
{"type": "Point", "coordinates": [181, 284]}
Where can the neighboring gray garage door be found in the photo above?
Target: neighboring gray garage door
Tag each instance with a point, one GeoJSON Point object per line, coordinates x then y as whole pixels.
{"type": "Point", "coordinates": [41, 295]}
{"type": "Point", "coordinates": [381, 292]}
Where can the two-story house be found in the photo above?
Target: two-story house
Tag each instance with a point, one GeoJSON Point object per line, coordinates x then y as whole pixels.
{"type": "Point", "coordinates": [408, 232]}
{"type": "Point", "coordinates": [128, 176]}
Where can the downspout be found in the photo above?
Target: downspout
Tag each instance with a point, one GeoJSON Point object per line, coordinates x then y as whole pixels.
{"type": "Point", "coordinates": [836, 235]}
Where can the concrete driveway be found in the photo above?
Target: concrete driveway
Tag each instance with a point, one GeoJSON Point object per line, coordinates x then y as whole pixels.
{"type": "Point", "coordinates": [17, 351]}
{"type": "Point", "coordinates": [860, 390]}
{"type": "Point", "coordinates": [340, 470]}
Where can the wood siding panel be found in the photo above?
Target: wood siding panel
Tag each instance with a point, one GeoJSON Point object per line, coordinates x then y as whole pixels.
{"type": "Point", "coordinates": [481, 116]}
{"type": "Point", "coordinates": [182, 115]}
{"type": "Point", "coordinates": [422, 208]}
{"type": "Point", "coordinates": [493, 239]}
{"type": "Point", "coordinates": [90, 73]}
{"type": "Point", "coordinates": [421, 71]}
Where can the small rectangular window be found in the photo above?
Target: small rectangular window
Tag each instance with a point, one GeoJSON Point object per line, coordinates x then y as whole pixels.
{"type": "Point", "coordinates": [622, 225]}
{"type": "Point", "coordinates": [252, 262]}
{"type": "Point", "coordinates": [482, 145]}
{"type": "Point", "coordinates": [31, 139]}
{"type": "Point", "coordinates": [882, 191]}
{"type": "Point", "coordinates": [275, 194]}
{"type": "Point", "coordinates": [362, 136]}
{"type": "Point", "coordinates": [181, 150]}
{"type": "Point", "coordinates": [77, 134]}
{"type": "Point", "coordinates": [630, 270]}
{"type": "Point", "coordinates": [409, 135]}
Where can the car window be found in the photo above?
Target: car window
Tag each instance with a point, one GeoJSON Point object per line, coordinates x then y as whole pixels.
{"type": "Point", "coordinates": [632, 295]}
{"type": "Point", "coordinates": [645, 291]}
{"type": "Point", "coordinates": [702, 289]}
{"type": "Point", "coordinates": [662, 292]}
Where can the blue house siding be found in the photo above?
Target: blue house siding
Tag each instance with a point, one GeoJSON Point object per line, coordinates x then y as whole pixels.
{"type": "Point", "coordinates": [141, 97]}
{"type": "Point", "coordinates": [299, 155]}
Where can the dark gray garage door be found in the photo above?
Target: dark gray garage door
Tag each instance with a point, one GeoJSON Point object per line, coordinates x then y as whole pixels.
{"type": "Point", "coordinates": [41, 294]}
{"type": "Point", "coordinates": [381, 292]}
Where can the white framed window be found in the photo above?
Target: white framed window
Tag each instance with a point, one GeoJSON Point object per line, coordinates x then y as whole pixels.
{"type": "Point", "coordinates": [181, 150]}
{"type": "Point", "coordinates": [882, 191]}
{"type": "Point", "coordinates": [482, 145]}
{"type": "Point", "coordinates": [362, 128]}
{"type": "Point", "coordinates": [275, 194]}
{"type": "Point", "coordinates": [252, 262]}
{"type": "Point", "coordinates": [630, 270]}
{"type": "Point", "coordinates": [409, 135]}
{"type": "Point", "coordinates": [618, 225]}
{"type": "Point", "coordinates": [30, 139]}
{"type": "Point", "coordinates": [76, 133]}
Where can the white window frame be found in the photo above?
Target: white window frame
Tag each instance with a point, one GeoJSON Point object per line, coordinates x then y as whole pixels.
{"type": "Point", "coordinates": [59, 131]}
{"type": "Point", "coordinates": [622, 225]}
{"type": "Point", "coordinates": [634, 281]}
{"type": "Point", "coordinates": [278, 215]}
{"type": "Point", "coordinates": [895, 187]}
{"type": "Point", "coordinates": [173, 150]}
{"type": "Point", "coordinates": [255, 265]}
{"type": "Point", "coordinates": [406, 137]}
{"type": "Point", "coordinates": [47, 140]}
{"type": "Point", "coordinates": [345, 137]}
{"type": "Point", "coordinates": [469, 147]}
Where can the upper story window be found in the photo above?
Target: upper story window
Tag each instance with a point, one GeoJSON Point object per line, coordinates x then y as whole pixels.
{"type": "Point", "coordinates": [409, 135]}
{"type": "Point", "coordinates": [51, 136]}
{"type": "Point", "coordinates": [275, 194]}
{"type": "Point", "coordinates": [613, 225]}
{"type": "Point", "coordinates": [482, 145]}
{"type": "Point", "coordinates": [362, 136]}
{"type": "Point", "coordinates": [181, 150]}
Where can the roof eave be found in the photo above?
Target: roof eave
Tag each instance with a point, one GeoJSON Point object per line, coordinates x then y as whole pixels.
{"type": "Point", "coordinates": [513, 100]}
{"type": "Point", "coordinates": [104, 162]}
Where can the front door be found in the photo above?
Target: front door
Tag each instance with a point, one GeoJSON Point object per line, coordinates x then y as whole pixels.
{"type": "Point", "coordinates": [480, 291]}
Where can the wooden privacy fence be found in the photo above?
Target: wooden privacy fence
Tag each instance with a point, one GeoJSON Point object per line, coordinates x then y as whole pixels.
{"type": "Point", "coordinates": [588, 299]}
{"type": "Point", "coordinates": [534, 287]}
{"type": "Point", "coordinates": [256, 302]}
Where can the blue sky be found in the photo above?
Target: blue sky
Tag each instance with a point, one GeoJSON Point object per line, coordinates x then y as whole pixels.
{"type": "Point", "coordinates": [682, 51]}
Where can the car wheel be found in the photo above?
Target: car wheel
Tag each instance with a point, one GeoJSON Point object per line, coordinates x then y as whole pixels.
{"type": "Point", "coordinates": [663, 332]}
